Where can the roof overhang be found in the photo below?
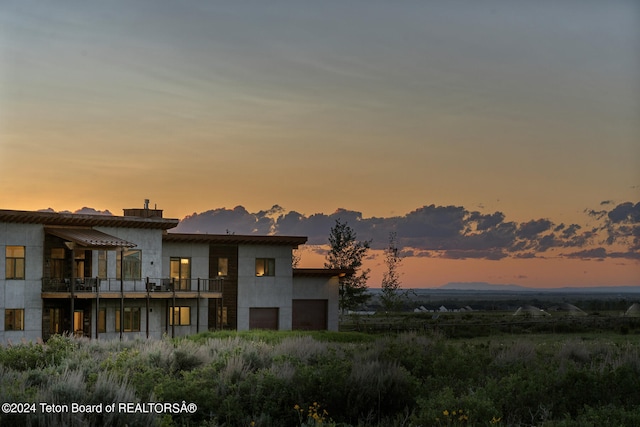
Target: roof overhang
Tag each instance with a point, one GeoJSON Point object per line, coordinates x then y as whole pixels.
{"type": "Point", "coordinates": [84, 220]}
{"type": "Point", "coordinates": [234, 239]}
{"type": "Point", "coordinates": [89, 238]}
{"type": "Point", "coordinates": [322, 272]}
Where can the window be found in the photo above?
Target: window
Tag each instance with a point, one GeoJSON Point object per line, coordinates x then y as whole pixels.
{"type": "Point", "coordinates": [223, 266]}
{"type": "Point", "coordinates": [55, 321]}
{"type": "Point", "coordinates": [265, 267]}
{"type": "Point", "coordinates": [222, 316]}
{"type": "Point", "coordinates": [131, 319]}
{"type": "Point", "coordinates": [180, 316]}
{"type": "Point", "coordinates": [57, 263]}
{"type": "Point", "coordinates": [14, 319]}
{"type": "Point", "coordinates": [181, 273]}
{"type": "Point", "coordinates": [132, 265]}
{"type": "Point", "coordinates": [15, 262]}
{"type": "Point", "coordinates": [102, 320]}
{"type": "Point", "coordinates": [79, 258]}
{"type": "Point", "coordinates": [102, 264]}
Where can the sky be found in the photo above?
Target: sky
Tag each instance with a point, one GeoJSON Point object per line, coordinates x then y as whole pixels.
{"type": "Point", "coordinates": [499, 139]}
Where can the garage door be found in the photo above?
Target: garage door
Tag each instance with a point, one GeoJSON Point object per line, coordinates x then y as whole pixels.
{"type": "Point", "coordinates": [263, 318]}
{"type": "Point", "coordinates": [310, 314]}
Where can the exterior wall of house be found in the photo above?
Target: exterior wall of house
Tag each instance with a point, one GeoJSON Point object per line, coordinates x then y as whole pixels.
{"type": "Point", "coordinates": [264, 291]}
{"type": "Point", "coordinates": [147, 241]}
{"type": "Point", "coordinates": [311, 288]}
{"type": "Point", "coordinates": [22, 294]}
{"type": "Point", "coordinates": [158, 321]}
{"type": "Point", "coordinates": [197, 252]}
{"type": "Point", "coordinates": [243, 289]}
{"type": "Point", "coordinates": [223, 314]}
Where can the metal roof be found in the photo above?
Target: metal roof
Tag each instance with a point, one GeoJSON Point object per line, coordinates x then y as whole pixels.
{"type": "Point", "coordinates": [89, 238]}
{"type": "Point", "coordinates": [322, 272]}
{"type": "Point", "coordinates": [234, 239]}
{"type": "Point", "coordinates": [84, 220]}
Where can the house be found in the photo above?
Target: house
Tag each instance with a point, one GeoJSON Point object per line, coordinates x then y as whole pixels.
{"type": "Point", "coordinates": [110, 277]}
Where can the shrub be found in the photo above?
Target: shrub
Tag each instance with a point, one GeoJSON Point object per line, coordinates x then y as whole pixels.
{"type": "Point", "coordinates": [380, 388]}
{"type": "Point", "coordinates": [444, 407]}
{"type": "Point", "coordinates": [23, 357]}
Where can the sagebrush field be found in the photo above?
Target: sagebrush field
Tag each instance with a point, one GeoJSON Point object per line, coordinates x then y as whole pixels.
{"type": "Point", "coordinates": [422, 378]}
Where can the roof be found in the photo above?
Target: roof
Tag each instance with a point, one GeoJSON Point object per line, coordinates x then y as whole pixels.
{"type": "Point", "coordinates": [84, 220]}
{"type": "Point", "coordinates": [322, 272]}
{"type": "Point", "coordinates": [89, 238]}
{"type": "Point", "coordinates": [235, 239]}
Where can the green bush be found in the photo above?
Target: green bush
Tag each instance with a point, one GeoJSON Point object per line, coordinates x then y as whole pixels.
{"type": "Point", "coordinates": [400, 379]}
{"type": "Point", "coordinates": [23, 357]}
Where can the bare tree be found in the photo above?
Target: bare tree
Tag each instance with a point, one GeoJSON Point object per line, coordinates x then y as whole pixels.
{"type": "Point", "coordinates": [391, 297]}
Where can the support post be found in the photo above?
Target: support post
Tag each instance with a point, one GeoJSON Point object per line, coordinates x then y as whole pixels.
{"type": "Point", "coordinates": [198, 309]}
{"type": "Point", "coordinates": [148, 296]}
{"type": "Point", "coordinates": [121, 292]}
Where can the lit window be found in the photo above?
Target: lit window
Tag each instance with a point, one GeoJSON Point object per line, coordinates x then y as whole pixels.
{"type": "Point", "coordinates": [131, 319]}
{"type": "Point", "coordinates": [223, 266]}
{"type": "Point", "coordinates": [55, 321]}
{"type": "Point", "coordinates": [181, 273]}
{"type": "Point", "coordinates": [132, 266]}
{"type": "Point", "coordinates": [265, 267]}
{"type": "Point", "coordinates": [102, 264]}
{"type": "Point", "coordinates": [102, 320]}
{"type": "Point", "coordinates": [222, 316]}
{"type": "Point", "coordinates": [15, 262]}
{"type": "Point", "coordinates": [14, 319]}
{"type": "Point", "coordinates": [180, 316]}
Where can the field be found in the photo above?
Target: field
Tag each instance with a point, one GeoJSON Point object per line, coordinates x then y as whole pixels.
{"type": "Point", "coordinates": [453, 369]}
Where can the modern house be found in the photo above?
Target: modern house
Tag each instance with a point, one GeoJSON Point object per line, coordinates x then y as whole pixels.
{"type": "Point", "coordinates": [110, 277]}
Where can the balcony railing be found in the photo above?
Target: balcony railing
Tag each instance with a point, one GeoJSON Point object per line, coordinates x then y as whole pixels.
{"type": "Point", "coordinates": [110, 285]}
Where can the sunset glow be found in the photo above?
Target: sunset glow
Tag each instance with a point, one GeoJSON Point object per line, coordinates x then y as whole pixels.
{"type": "Point", "coordinates": [502, 137]}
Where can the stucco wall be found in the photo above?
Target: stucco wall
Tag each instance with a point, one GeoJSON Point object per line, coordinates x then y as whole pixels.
{"type": "Point", "coordinates": [147, 241]}
{"type": "Point", "coordinates": [198, 252]}
{"type": "Point", "coordinates": [320, 288]}
{"type": "Point", "coordinates": [22, 293]}
{"type": "Point", "coordinates": [265, 291]}
{"type": "Point", "coordinates": [158, 325]}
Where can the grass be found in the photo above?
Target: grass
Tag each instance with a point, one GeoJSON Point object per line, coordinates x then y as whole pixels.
{"type": "Point", "coordinates": [275, 337]}
{"type": "Point", "coordinates": [392, 379]}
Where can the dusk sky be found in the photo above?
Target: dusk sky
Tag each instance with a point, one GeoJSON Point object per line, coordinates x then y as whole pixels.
{"type": "Point", "coordinates": [499, 139]}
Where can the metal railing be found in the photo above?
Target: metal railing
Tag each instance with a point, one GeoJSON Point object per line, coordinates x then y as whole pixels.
{"type": "Point", "coordinates": [98, 285]}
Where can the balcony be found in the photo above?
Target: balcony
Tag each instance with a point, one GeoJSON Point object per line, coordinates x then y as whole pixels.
{"type": "Point", "coordinates": [93, 287]}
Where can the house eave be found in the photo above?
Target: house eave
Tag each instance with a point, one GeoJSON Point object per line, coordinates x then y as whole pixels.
{"type": "Point", "coordinates": [84, 220]}
{"type": "Point", "coordinates": [235, 239]}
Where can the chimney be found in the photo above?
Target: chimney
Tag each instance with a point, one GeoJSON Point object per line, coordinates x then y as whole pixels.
{"type": "Point", "coordinates": [145, 212]}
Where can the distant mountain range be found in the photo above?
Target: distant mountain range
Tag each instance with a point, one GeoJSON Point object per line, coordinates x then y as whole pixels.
{"type": "Point", "coordinates": [490, 287]}
{"type": "Point", "coordinates": [484, 286]}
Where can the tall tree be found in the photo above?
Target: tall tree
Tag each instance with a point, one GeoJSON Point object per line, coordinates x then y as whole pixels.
{"type": "Point", "coordinates": [347, 252]}
{"type": "Point", "coordinates": [391, 297]}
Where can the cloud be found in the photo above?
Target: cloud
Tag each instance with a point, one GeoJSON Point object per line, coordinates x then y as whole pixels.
{"type": "Point", "coordinates": [533, 228]}
{"type": "Point", "coordinates": [451, 232]}
{"type": "Point", "coordinates": [625, 213]}
{"type": "Point", "coordinates": [223, 221]}
{"type": "Point", "coordinates": [600, 253]}
{"type": "Point", "coordinates": [90, 211]}
{"type": "Point", "coordinates": [490, 254]}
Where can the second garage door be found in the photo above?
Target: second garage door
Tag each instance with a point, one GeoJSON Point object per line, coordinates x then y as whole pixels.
{"type": "Point", "coordinates": [309, 314]}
